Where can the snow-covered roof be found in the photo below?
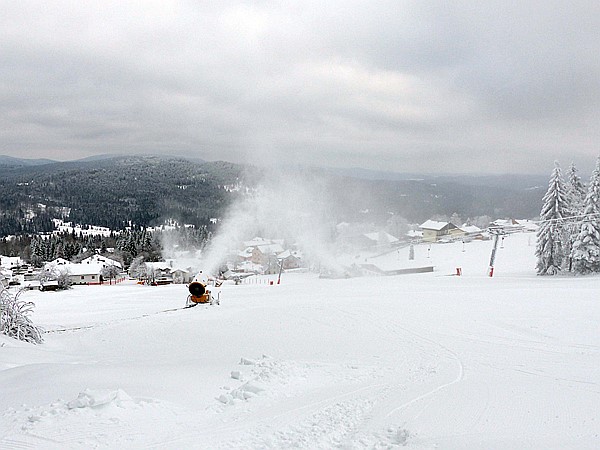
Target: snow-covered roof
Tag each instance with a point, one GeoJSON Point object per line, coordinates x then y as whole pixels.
{"type": "Point", "coordinates": [529, 225]}
{"type": "Point", "coordinates": [83, 269]}
{"type": "Point", "coordinates": [284, 254]}
{"type": "Point", "coordinates": [247, 253]}
{"type": "Point", "coordinates": [381, 236]}
{"type": "Point", "coordinates": [505, 222]}
{"type": "Point", "coordinates": [159, 265]}
{"type": "Point", "coordinates": [288, 253]}
{"type": "Point", "coordinates": [434, 225]}
{"type": "Point", "coordinates": [69, 227]}
{"type": "Point", "coordinates": [256, 242]}
{"type": "Point", "coordinates": [249, 266]}
{"type": "Point", "coordinates": [10, 261]}
{"type": "Point", "coordinates": [270, 249]}
{"type": "Point", "coordinates": [470, 229]}
{"type": "Point", "coordinates": [415, 234]}
{"type": "Point", "coordinates": [101, 259]}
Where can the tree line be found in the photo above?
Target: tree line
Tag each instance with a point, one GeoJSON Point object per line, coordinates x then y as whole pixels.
{"type": "Point", "coordinates": [123, 246]}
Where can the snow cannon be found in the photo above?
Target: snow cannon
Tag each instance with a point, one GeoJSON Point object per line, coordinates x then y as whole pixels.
{"type": "Point", "coordinates": [197, 289]}
{"type": "Point", "coordinates": [198, 293]}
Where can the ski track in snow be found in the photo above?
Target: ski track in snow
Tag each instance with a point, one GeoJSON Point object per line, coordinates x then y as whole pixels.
{"type": "Point", "coordinates": [113, 322]}
{"type": "Point", "coordinates": [318, 420]}
{"type": "Point", "coordinates": [357, 418]}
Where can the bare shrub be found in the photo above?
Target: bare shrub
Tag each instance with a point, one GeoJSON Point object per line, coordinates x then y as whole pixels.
{"type": "Point", "coordinates": [14, 318]}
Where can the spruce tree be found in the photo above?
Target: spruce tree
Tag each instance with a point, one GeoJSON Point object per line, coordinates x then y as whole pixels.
{"type": "Point", "coordinates": [586, 248]}
{"type": "Point", "coordinates": [576, 192]}
{"type": "Point", "coordinates": [550, 249]}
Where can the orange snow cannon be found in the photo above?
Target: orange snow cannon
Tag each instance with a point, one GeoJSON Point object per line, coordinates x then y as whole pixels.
{"type": "Point", "coordinates": [199, 294]}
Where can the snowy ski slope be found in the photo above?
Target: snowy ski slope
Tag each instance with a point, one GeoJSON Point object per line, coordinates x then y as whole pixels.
{"type": "Point", "coordinates": [423, 361]}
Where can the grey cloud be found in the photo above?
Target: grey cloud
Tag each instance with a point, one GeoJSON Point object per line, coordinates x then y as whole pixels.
{"type": "Point", "coordinates": [404, 85]}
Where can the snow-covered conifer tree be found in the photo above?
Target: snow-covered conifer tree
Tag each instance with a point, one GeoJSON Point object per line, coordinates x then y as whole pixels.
{"type": "Point", "coordinates": [138, 268]}
{"type": "Point", "coordinates": [576, 189]}
{"type": "Point", "coordinates": [550, 249]}
{"type": "Point", "coordinates": [576, 193]}
{"type": "Point", "coordinates": [586, 247]}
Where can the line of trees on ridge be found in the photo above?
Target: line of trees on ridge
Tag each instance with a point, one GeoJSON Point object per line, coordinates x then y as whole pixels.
{"type": "Point", "coordinates": [568, 239]}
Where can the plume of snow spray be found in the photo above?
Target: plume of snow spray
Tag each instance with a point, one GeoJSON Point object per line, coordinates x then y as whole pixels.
{"type": "Point", "coordinates": [286, 205]}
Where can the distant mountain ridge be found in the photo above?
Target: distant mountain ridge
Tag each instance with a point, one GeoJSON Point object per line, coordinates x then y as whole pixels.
{"type": "Point", "coordinates": [18, 162]}
{"type": "Point", "coordinates": [118, 191]}
{"type": "Point", "coordinates": [499, 180]}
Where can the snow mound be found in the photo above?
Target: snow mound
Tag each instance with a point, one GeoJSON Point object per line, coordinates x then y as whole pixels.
{"type": "Point", "coordinates": [100, 418]}
{"type": "Point", "coordinates": [94, 399]}
{"type": "Point", "coordinates": [392, 437]}
{"type": "Point", "coordinates": [266, 375]}
{"type": "Point", "coordinates": [271, 377]}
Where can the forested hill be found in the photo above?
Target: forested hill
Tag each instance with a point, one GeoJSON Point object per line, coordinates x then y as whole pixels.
{"type": "Point", "coordinates": [115, 192]}
{"type": "Point", "coordinates": [145, 190]}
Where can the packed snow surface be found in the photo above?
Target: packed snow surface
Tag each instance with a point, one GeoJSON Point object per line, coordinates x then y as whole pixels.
{"type": "Point", "coordinates": [423, 361]}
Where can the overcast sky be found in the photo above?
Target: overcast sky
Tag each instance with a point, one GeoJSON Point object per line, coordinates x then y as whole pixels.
{"type": "Point", "coordinates": [474, 86]}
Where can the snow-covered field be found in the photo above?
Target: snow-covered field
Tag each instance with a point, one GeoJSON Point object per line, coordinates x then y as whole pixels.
{"type": "Point", "coordinates": [424, 361]}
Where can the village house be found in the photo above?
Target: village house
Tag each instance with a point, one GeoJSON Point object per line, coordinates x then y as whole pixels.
{"type": "Point", "coordinates": [160, 272]}
{"type": "Point", "coordinates": [378, 240]}
{"type": "Point", "coordinates": [472, 232]}
{"type": "Point", "coordinates": [290, 260]}
{"type": "Point", "coordinates": [89, 273]}
{"type": "Point", "coordinates": [261, 253]}
{"type": "Point", "coordinates": [433, 230]}
{"type": "Point", "coordinates": [381, 240]}
{"type": "Point", "coordinates": [181, 276]}
{"type": "Point", "coordinates": [357, 241]}
{"type": "Point", "coordinates": [513, 225]}
{"type": "Point", "coordinates": [245, 255]}
{"type": "Point", "coordinates": [160, 268]}
{"type": "Point", "coordinates": [11, 262]}
{"type": "Point", "coordinates": [272, 266]}
{"type": "Point", "coordinates": [414, 234]}
{"type": "Point", "coordinates": [249, 267]}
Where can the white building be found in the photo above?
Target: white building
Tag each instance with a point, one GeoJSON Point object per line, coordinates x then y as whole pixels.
{"type": "Point", "coordinates": [89, 273]}
{"type": "Point", "coordinates": [99, 259]}
{"type": "Point", "coordinates": [381, 239]}
{"type": "Point", "coordinates": [181, 275]}
{"type": "Point", "coordinates": [434, 230]}
{"type": "Point", "coordinates": [159, 266]}
{"type": "Point", "coordinates": [10, 262]}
